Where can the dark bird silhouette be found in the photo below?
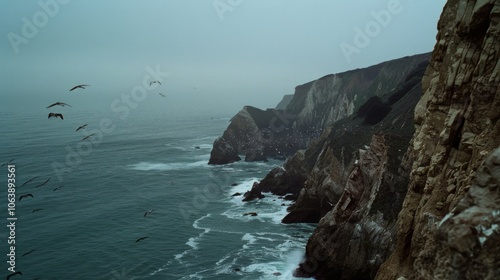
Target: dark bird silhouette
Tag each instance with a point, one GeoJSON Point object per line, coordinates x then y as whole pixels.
{"type": "Point", "coordinates": [7, 163]}
{"type": "Point", "coordinates": [87, 137]}
{"type": "Point", "coordinates": [81, 127]}
{"type": "Point", "coordinates": [25, 195]}
{"type": "Point", "coordinates": [59, 104]}
{"type": "Point", "coordinates": [78, 86]}
{"type": "Point", "coordinates": [29, 181]}
{"type": "Point", "coordinates": [28, 253]}
{"type": "Point", "coordinates": [162, 95]}
{"type": "Point", "coordinates": [44, 183]}
{"type": "Point", "coordinates": [148, 212]}
{"type": "Point", "coordinates": [36, 210]}
{"type": "Point", "coordinates": [58, 188]}
{"type": "Point", "coordinates": [142, 238]}
{"type": "Point", "coordinates": [154, 82]}
{"type": "Point", "coordinates": [15, 273]}
{"type": "Point", "coordinates": [56, 115]}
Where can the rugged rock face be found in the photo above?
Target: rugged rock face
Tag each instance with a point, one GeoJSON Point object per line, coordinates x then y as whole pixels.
{"type": "Point", "coordinates": [316, 105]}
{"type": "Point", "coordinates": [457, 126]}
{"type": "Point", "coordinates": [358, 189]}
{"type": "Point", "coordinates": [353, 178]}
{"type": "Point", "coordinates": [465, 242]}
{"type": "Point", "coordinates": [357, 234]}
{"type": "Point", "coordinates": [257, 134]}
{"type": "Point", "coordinates": [320, 103]}
{"type": "Point", "coordinates": [329, 160]}
{"type": "Point", "coordinates": [223, 152]}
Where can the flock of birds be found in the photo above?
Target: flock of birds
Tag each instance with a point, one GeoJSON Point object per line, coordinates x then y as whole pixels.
{"type": "Point", "coordinates": [83, 86]}
{"type": "Point", "coordinates": [30, 195]}
{"type": "Point", "coordinates": [62, 104]}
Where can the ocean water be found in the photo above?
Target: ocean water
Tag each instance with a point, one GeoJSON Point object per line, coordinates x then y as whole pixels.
{"type": "Point", "coordinates": [88, 228]}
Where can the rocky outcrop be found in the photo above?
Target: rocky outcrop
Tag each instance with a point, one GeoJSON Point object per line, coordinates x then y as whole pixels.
{"type": "Point", "coordinates": [223, 153]}
{"type": "Point", "coordinates": [358, 233]}
{"type": "Point", "coordinates": [334, 154]}
{"type": "Point", "coordinates": [447, 222]}
{"type": "Point", "coordinates": [257, 135]}
{"type": "Point", "coordinates": [274, 133]}
{"type": "Point", "coordinates": [352, 180]}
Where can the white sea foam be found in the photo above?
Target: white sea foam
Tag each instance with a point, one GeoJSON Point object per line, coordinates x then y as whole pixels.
{"type": "Point", "coordinates": [151, 166]}
{"type": "Point", "coordinates": [193, 242]}
{"type": "Point", "coordinates": [284, 269]}
{"type": "Point", "coordinates": [270, 209]}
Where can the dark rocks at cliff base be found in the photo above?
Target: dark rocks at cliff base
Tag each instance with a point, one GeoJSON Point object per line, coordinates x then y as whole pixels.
{"type": "Point", "coordinates": [253, 214]}
{"type": "Point", "coordinates": [237, 194]}
{"type": "Point", "coordinates": [223, 153]}
{"type": "Point", "coordinates": [253, 193]}
{"type": "Point", "coordinates": [255, 156]}
{"type": "Point", "coordinates": [304, 215]}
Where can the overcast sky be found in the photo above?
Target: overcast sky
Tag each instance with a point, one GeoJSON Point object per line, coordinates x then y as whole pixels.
{"type": "Point", "coordinates": [219, 55]}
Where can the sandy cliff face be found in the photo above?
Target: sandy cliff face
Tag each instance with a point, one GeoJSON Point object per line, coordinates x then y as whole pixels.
{"type": "Point", "coordinates": [448, 226]}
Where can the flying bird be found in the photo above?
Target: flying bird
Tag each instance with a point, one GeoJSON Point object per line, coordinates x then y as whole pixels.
{"type": "Point", "coordinates": [78, 86]}
{"type": "Point", "coordinates": [44, 183]}
{"type": "Point", "coordinates": [29, 181]}
{"type": "Point", "coordinates": [28, 253]}
{"type": "Point", "coordinates": [59, 104]}
{"type": "Point", "coordinates": [148, 212]}
{"type": "Point", "coordinates": [36, 210]}
{"type": "Point", "coordinates": [25, 195]}
{"type": "Point", "coordinates": [57, 188]}
{"type": "Point", "coordinates": [154, 82]}
{"type": "Point", "coordinates": [56, 115]}
{"type": "Point", "coordinates": [15, 273]}
{"type": "Point", "coordinates": [142, 238]}
{"type": "Point", "coordinates": [81, 127]}
{"type": "Point", "coordinates": [7, 163]}
{"type": "Point", "coordinates": [162, 95]}
{"type": "Point", "coordinates": [87, 137]}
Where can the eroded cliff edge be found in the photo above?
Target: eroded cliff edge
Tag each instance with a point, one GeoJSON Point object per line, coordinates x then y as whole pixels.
{"type": "Point", "coordinates": [258, 134]}
{"type": "Point", "coordinates": [447, 221]}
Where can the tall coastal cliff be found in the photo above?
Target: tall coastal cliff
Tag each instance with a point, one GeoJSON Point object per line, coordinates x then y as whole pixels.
{"type": "Point", "coordinates": [355, 171]}
{"type": "Point", "coordinates": [397, 163]}
{"type": "Point", "coordinates": [449, 225]}
{"type": "Point", "coordinates": [257, 134]}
